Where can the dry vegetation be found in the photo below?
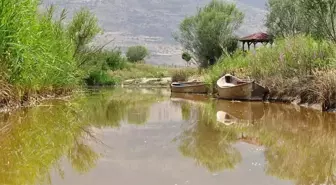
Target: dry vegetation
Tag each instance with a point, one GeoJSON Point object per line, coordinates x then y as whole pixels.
{"type": "Point", "coordinates": [298, 67]}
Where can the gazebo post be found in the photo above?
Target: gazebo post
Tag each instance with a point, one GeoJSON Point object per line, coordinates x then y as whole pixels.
{"type": "Point", "coordinates": [254, 44]}
{"type": "Point", "coordinates": [249, 44]}
{"type": "Point", "coordinates": [243, 46]}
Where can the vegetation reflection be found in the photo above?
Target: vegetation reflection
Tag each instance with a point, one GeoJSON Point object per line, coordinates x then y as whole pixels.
{"type": "Point", "coordinates": [35, 140]}
{"type": "Point", "coordinates": [207, 143]}
{"type": "Point", "coordinates": [300, 144]}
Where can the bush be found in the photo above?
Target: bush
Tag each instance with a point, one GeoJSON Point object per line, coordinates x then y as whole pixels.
{"type": "Point", "coordinates": [136, 53]}
{"type": "Point", "coordinates": [115, 60]}
{"type": "Point", "coordinates": [99, 78]}
{"type": "Point", "coordinates": [180, 76]}
{"type": "Point", "coordinates": [186, 56]}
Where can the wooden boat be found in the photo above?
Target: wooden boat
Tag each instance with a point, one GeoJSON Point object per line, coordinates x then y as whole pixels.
{"type": "Point", "coordinates": [189, 87]}
{"type": "Point", "coordinates": [232, 88]}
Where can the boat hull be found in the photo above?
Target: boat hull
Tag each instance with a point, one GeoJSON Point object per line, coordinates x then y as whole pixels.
{"type": "Point", "coordinates": [239, 92]}
{"type": "Point", "coordinates": [199, 88]}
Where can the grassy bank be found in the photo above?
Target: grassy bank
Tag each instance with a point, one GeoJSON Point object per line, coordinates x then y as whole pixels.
{"type": "Point", "coordinates": [39, 53]}
{"type": "Point", "coordinates": [297, 67]}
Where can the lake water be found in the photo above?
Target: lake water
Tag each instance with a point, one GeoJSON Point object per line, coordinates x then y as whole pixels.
{"type": "Point", "coordinates": [150, 137]}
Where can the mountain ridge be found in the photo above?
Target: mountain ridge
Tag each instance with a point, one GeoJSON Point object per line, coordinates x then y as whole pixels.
{"type": "Point", "coordinates": [152, 22]}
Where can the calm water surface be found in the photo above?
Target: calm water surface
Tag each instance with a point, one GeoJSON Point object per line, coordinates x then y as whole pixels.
{"type": "Point", "coordinates": [150, 137]}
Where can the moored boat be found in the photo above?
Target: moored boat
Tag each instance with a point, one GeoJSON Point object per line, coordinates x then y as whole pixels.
{"type": "Point", "coordinates": [189, 87]}
{"type": "Point", "coordinates": [232, 88]}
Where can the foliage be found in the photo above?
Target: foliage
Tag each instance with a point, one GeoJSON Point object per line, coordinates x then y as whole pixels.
{"type": "Point", "coordinates": [180, 76]}
{"type": "Point", "coordinates": [209, 33]}
{"type": "Point", "coordinates": [295, 66]}
{"type": "Point", "coordinates": [99, 78]}
{"type": "Point", "coordinates": [37, 50]}
{"type": "Point", "coordinates": [285, 18]}
{"type": "Point", "coordinates": [136, 53]}
{"type": "Point", "coordinates": [315, 17]}
{"type": "Point", "coordinates": [186, 56]}
{"type": "Point", "coordinates": [115, 60]}
{"type": "Point", "coordinates": [82, 29]}
{"type": "Point", "coordinates": [321, 15]}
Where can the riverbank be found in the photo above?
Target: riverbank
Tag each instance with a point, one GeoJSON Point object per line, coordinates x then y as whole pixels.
{"type": "Point", "coordinates": [298, 70]}
{"type": "Point", "coordinates": [42, 55]}
{"type": "Point", "coordinates": [8, 104]}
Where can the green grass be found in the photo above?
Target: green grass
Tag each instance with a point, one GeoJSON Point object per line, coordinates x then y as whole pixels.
{"type": "Point", "coordinates": [39, 53]}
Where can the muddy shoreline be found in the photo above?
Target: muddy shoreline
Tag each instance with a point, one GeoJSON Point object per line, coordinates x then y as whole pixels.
{"type": "Point", "coordinates": [33, 101]}
{"type": "Point", "coordinates": [165, 82]}
{"type": "Point", "coordinates": [151, 83]}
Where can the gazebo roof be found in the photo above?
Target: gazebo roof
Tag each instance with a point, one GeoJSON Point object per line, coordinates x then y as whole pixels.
{"type": "Point", "coordinates": [257, 37]}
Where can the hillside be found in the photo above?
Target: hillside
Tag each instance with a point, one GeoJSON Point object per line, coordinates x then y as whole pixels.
{"type": "Point", "coordinates": [151, 22]}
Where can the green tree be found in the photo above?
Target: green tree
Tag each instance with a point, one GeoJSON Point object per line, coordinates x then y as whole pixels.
{"type": "Point", "coordinates": [209, 33]}
{"type": "Point", "coordinates": [285, 18]}
{"type": "Point", "coordinates": [313, 17]}
{"type": "Point", "coordinates": [323, 13]}
{"type": "Point", "coordinates": [137, 53]}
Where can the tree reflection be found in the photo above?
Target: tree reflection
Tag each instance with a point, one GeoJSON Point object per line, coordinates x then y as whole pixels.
{"type": "Point", "coordinates": [305, 146]}
{"type": "Point", "coordinates": [208, 142]}
{"type": "Point", "coordinates": [82, 157]}
{"type": "Point", "coordinates": [300, 144]}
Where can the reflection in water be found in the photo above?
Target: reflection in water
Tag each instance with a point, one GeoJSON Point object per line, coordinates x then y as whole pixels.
{"type": "Point", "coordinates": [301, 147]}
{"type": "Point", "coordinates": [106, 109]}
{"type": "Point", "coordinates": [34, 140]}
{"type": "Point", "coordinates": [209, 146]}
{"type": "Point", "coordinates": [300, 144]}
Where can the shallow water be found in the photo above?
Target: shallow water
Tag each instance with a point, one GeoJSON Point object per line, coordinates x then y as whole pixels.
{"type": "Point", "coordinates": [147, 136]}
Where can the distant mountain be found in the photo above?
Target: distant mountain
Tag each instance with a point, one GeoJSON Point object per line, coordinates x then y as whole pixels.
{"type": "Point", "coordinates": [151, 22]}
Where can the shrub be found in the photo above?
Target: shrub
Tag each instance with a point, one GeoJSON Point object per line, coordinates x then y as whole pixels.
{"type": "Point", "coordinates": [186, 56]}
{"type": "Point", "coordinates": [136, 53]}
{"type": "Point", "coordinates": [180, 76]}
{"type": "Point", "coordinates": [99, 78]}
{"type": "Point", "coordinates": [114, 59]}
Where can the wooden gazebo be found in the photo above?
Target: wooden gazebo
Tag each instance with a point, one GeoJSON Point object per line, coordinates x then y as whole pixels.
{"type": "Point", "coordinates": [260, 37]}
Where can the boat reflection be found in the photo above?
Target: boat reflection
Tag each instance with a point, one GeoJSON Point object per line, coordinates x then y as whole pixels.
{"type": "Point", "coordinates": [229, 112]}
